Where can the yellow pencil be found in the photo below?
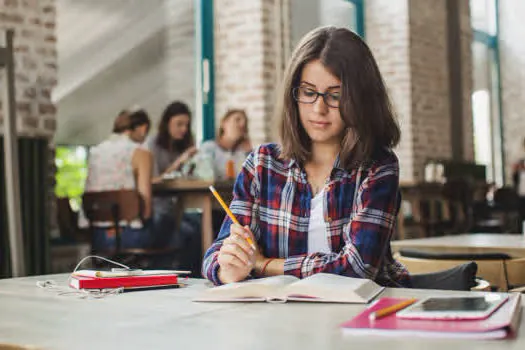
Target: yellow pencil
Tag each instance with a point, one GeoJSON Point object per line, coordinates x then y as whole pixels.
{"type": "Point", "coordinates": [229, 212]}
{"type": "Point", "coordinates": [391, 309]}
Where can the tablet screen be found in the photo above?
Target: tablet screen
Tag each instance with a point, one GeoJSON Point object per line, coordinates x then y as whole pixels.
{"type": "Point", "coordinates": [456, 304]}
{"type": "Point", "coordinates": [474, 307]}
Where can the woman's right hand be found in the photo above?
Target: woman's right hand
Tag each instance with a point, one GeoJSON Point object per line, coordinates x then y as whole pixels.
{"type": "Point", "coordinates": [236, 257]}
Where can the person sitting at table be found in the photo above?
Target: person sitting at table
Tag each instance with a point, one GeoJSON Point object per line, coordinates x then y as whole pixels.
{"type": "Point", "coordinates": [171, 148]}
{"type": "Point", "coordinates": [326, 198]}
{"type": "Point", "coordinates": [119, 163]}
{"type": "Point", "coordinates": [121, 123]}
{"type": "Point", "coordinates": [173, 145]}
{"type": "Point", "coordinates": [232, 143]}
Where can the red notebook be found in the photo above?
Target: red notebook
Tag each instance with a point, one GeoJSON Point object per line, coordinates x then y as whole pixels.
{"type": "Point", "coordinates": [84, 282]}
{"type": "Point", "coordinates": [502, 323]}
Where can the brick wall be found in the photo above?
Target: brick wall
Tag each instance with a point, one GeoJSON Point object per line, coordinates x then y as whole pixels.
{"type": "Point", "coordinates": [35, 60]}
{"type": "Point", "coordinates": [466, 82]}
{"type": "Point", "coordinates": [35, 73]}
{"type": "Point", "coordinates": [387, 34]}
{"type": "Point", "coordinates": [512, 53]}
{"type": "Point", "coordinates": [409, 41]}
{"type": "Point", "coordinates": [430, 82]}
{"type": "Point", "coordinates": [239, 62]}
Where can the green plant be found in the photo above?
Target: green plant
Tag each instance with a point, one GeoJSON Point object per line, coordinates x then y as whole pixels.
{"type": "Point", "coordinates": [71, 164]}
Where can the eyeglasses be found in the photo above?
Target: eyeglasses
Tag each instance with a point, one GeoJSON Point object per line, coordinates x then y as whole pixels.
{"type": "Point", "coordinates": [307, 95]}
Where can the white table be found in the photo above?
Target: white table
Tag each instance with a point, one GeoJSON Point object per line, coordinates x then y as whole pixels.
{"type": "Point", "coordinates": [168, 319]}
{"type": "Point", "coordinates": [472, 243]}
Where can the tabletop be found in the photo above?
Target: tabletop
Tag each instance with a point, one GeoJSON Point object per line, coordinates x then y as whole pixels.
{"type": "Point", "coordinates": [169, 319]}
{"type": "Point", "coordinates": [512, 244]}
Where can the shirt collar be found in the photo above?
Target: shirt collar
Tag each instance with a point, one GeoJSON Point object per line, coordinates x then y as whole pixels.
{"type": "Point", "coordinates": [293, 162]}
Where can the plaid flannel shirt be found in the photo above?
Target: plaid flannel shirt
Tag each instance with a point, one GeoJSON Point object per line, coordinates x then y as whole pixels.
{"type": "Point", "coordinates": [272, 196]}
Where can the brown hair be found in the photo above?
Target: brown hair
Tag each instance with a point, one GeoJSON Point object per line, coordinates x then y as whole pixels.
{"type": "Point", "coordinates": [121, 122]}
{"type": "Point", "coordinates": [225, 117]}
{"type": "Point", "coordinates": [365, 107]}
{"type": "Point", "coordinates": [164, 139]}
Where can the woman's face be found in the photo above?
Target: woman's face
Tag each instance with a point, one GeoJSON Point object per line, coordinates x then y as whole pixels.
{"type": "Point", "coordinates": [234, 126]}
{"type": "Point", "coordinates": [178, 126]}
{"type": "Point", "coordinates": [321, 121]}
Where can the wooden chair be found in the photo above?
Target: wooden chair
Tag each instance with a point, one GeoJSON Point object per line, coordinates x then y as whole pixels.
{"type": "Point", "coordinates": [500, 270]}
{"type": "Point", "coordinates": [117, 207]}
{"type": "Point", "coordinates": [459, 196]}
{"type": "Point", "coordinates": [515, 269]}
{"type": "Point", "coordinates": [67, 221]}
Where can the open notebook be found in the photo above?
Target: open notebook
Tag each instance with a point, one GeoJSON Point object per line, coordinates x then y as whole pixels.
{"type": "Point", "coordinates": [320, 287]}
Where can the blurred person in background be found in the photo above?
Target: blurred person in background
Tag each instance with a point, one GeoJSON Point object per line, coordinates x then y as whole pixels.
{"type": "Point", "coordinates": [173, 145]}
{"type": "Point", "coordinates": [119, 163]}
{"type": "Point", "coordinates": [227, 152]}
{"type": "Point", "coordinates": [138, 126]}
{"type": "Point", "coordinates": [518, 177]}
{"type": "Point", "coordinates": [231, 145]}
{"type": "Point", "coordinates": [171, 148]}
{"type": "Point", "coordinates": [121, 123]}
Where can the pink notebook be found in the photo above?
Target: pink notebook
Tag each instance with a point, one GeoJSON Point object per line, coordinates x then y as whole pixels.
{"type": "Point", "coordinates": [502, 323]}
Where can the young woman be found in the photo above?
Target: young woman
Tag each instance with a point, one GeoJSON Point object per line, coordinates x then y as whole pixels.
{"type": "Point", "coordinates": [173, 144]}
{"type": "Point", "coordinates": [325, 200]}
{"type": "Point", "coordinates": [120, 163]}
{"type": "Point", "coordinates": [232, 143]}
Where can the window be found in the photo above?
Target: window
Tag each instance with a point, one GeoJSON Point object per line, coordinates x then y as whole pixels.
{"type": "Point", "coordinates": [71, 172]}
{"type": "Point", "coordinates": [486, 90]}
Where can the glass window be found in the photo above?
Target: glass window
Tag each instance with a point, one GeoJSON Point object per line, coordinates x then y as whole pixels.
{"type": "Point", "coordinates": [483, 15]}
{"type": "Point", "coordinates": [71, 172]}
{"type": "Point", "coordinates": [310, 14]}
{"type": "Point", "coordinates": [485, 97]}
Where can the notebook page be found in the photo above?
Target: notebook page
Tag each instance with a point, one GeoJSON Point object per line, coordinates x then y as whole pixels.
{"type": "Point", "coordinates": [333, 288]}
{"type": "Point", "coordinates": [263, 288]}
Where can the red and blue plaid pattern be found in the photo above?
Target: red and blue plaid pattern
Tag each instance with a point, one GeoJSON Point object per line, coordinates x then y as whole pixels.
{"type": "Point", "coordinates": [272, 196]}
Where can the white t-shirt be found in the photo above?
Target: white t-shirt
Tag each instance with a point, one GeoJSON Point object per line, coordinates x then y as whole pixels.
{"type": "Point", "coordinates": [317, 233]}
{"type": "Point", "coordinates": [220, 156]}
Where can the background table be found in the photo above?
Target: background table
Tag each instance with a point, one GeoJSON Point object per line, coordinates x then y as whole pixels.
{"type": "Point", "coordinates": [511, 244]}
{"type": "Point", "coordinates": [192, 194]}
{"type": "Point", "coordinates": [168, 319]}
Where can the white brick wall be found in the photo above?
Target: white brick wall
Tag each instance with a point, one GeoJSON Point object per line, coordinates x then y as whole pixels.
{"type": "Point", "coordinates": [430, 83]}
{"type": "Point", "coordinates": [512, 53]}
{"type": "Point", "coordinates": [409, 41]}
{"type": "Point", "coordinates": [247, 61]}
{"type": "Point", "coordinates": [239, 60]}
{"type": "Point", "coordinates": [35, 62]}
{"type": "Point", "coordinates": [387, 34]}
{"type": "Point", "coordinates": [466, 82]}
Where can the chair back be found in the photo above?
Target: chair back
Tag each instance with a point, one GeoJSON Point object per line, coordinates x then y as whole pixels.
{"type": "Point", "coordinates": [492, 270]}
{"type": "Point", "coordinates": [507, 199]}
{"type": "Point", "coordinates": [66, 218]}
{"type": "Point", "coordinates": [461, 277]}
{"type": "Point", "coordinates": [515, 269]}
{"type": "Point", "coordinates": [112, 206]}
